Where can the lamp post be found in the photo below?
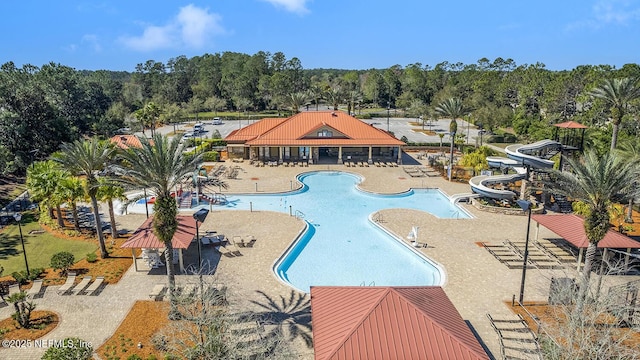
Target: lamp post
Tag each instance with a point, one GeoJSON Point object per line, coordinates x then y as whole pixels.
{"type": "Point", "coordinates": [388, 108]}
{"type": "Point", "coordinates": [199, 216]}
{"type": "Point", "coordinates": [18, 217]}
{"type": "Point", "coordinates": [526, 206]}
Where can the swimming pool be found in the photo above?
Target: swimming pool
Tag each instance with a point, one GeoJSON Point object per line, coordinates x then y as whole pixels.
{"type": "Point", "coordinates": [341, 245]}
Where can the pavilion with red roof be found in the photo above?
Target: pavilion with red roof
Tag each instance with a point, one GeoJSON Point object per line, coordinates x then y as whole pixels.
{"type": "Point", "coordinates": [314, 136]}
{"type": "Point", "coordinates": [571, 228]}
{"type": "Point", "coordinates": [145, 238]}
{"type": "Point", "coordinates": [413, 322]}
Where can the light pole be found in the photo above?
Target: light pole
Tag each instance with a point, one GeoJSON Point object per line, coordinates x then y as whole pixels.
{"type": "Point", "coordinates": [526, 206]}
{"type": "Point", "coordinates": [199, 216]}
{"type": "Point", "coordinates": [388, 108]}
{"type": "Point", "coordinates": [18, 217]}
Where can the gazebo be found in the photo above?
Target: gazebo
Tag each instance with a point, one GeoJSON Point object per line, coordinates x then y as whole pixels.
{"type": "Point", "coordinates": [571, 228]}
{"type": "Point", "coordinates": [144, 238]}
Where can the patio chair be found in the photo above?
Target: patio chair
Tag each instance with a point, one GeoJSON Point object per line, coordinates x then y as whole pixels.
{"type": "Point", "coordinates": [157, 290]}
{"type": "Point", "coordinates": [95, 285]}
{"type": "Point", "coordinates": [71, 279]}
{"type": "Point", "coordinates": [82, 285]}
{"type": "Point", "coordinates": [35, 288]}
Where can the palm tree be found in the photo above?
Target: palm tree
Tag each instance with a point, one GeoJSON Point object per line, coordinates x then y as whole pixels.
{"type": "Point", "coordinates": [72, 190]}
{"type": "Point", "coordinates": [159, 166]}
{"type": "Point", "coordinates": [296, 100]}
{"type": "Point", "coordinates": [617, 94]}
{"type": "Point", "coordinates": [108, 192]}
{"type": "Point", "coordinates": [454, 109]}
{"type": "Point", "coordinates": [87, 159]}
{"type": "Point", "coordinates": [315, 92]}
{"type": "Point", "coordinates": [42, 181]}
{"type": "Point", "coordinates": [597, 181]}
{"type": "Point", "coordinates": [631, 152]}
{"type": "Point", "coordinates": [334, 95]}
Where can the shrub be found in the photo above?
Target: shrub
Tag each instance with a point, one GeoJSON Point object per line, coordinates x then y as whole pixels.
{"type": "Point", "coordinates": [62, 261]}
{"type": "Point", "coordinates": [211, 156]}
{"type": "Point", "coordinates": [92, 257]}
{"type": "Point", "coordinates": [73, 348]}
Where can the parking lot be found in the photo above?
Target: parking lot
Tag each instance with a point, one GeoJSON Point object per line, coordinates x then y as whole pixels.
{"type": "Point", "coordinates": [398, 126]}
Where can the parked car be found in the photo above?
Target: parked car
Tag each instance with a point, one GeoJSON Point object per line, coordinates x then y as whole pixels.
{"type": "Point", "coordinates": [187, 135]}
{"type": "Point", "coordinates": [199, 127]}
{"type": "Point", "coordinates": [216, 121]}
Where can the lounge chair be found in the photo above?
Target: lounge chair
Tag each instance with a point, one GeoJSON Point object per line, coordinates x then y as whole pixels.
{"type": "Point", "coordinates": [35, 288]}
{"type": "Point", "coordinates": [95, 285]}
{"type": "Point", "coordinates": [71, 279]}
{"type": "Point", "coordinates": [82, 285]}
{"type": "Point", "coordinates": [235, 251]}
{"type": "Point", "coordinates": [14, 289]}
{"type": "Point", "coordinates": [237, 241]}
{"type": "Point", "coordinates": [157, 290]}
{"type": "Point", "coordinates": [205, 240]}
{"type": "Point", "coordinates": [250, 240]}
{"type": "Point", "coordinates": [224, 251]}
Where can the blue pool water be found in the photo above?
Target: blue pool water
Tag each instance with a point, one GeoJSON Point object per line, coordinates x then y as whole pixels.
{"type": "Point", "coordinates": [341, 246]}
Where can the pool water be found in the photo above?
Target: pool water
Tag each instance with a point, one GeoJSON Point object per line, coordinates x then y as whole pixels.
{"type": "Point", "coordinates": [341, 245]}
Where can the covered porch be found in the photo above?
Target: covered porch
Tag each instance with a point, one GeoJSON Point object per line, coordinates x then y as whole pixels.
{"type": "Point", "coordinates": [325, 154]}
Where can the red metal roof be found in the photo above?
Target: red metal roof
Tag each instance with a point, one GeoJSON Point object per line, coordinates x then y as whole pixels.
{"type": "Point", "coordinates": [254, 130]}
{"type": "Point", "coordinates": [418, 322]}
{"type": "Point", "coordinates": [571, 228]}
{"type": "Point", "coordinates": [126, 141]}
{"type": "Point", "coordinates": [145, 238]}
{"type": "Point", "coordinates": [570, 125]}
{"type": "Point", "coordinates": [300, 130]}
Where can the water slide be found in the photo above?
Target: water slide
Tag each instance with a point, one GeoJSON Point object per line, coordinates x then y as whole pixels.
{"type": "Point", "coordinates": [519, 157]}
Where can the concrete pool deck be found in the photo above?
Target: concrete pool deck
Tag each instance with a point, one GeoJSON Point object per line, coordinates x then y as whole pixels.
{"type": "Point", "coordinates": [476, 282]}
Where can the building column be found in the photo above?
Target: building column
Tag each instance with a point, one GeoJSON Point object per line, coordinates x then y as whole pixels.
{"type": "Point", "coordinates": [370, 160]}
{"type": "Point", "coordinates": [339, 154]}
{"type": "Point", "coordinates": [280, 154]}
{"type": "Point", "coordinates": [310, 155]}
{"type": "Point", "coordinates": [399, 155]}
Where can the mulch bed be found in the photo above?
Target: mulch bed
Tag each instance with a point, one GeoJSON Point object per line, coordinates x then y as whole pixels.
{"type": "Point", "coordinates": [144, 320]}
{"type": "Point", "coordinates": [43, 322]}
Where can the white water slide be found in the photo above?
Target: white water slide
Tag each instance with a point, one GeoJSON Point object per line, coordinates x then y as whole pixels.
{"type": "Point", "coordinates": [519, 157]}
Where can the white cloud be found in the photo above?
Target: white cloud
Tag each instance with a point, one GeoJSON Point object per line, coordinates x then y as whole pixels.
{"type": "Point", "coordinates": [609, 13]}
{"type": "Point", "coordinates": [192, 27]}
{"type": "Point", "coordinates": [92, 40]}
{"type": "Point", "coordinates": [295, 6]}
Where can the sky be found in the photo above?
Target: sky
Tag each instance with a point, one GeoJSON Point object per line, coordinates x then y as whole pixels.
{"type": "Point", "coordinates": [340, 34]}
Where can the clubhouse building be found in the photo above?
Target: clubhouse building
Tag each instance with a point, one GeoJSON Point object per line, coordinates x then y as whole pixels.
{"type": "Point", "coordinates": [316, 137]}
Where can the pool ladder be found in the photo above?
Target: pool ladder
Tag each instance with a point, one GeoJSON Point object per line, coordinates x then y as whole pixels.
{"type": "Point", "coordinates": [373, 283]}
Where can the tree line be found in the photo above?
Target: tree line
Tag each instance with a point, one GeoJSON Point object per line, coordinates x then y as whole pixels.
{"type": "Point", "coordinates": [42, 107]}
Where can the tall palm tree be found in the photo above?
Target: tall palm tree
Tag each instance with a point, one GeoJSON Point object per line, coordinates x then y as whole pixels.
{"type": "Point", "coordinates": [597, 181]}
{"type": "Point", "coordinates": [617, 94]}
{"type": "Point", "coordinates": [315, 92]}
{"type": "Point", "coordinates": [88, 159]}
{"type": "Point", "coordinates": [107, 192]}
{"type": "Point", "coordinates": [159, 166]}
{"type": "Point", "coordinates": [334, 95]}
{"type": "Point", "coordinates": [454, 109]}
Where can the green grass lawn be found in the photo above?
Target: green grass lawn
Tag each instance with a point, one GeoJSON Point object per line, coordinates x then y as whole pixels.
{"type": "Point", "coordinates": [39, 247]}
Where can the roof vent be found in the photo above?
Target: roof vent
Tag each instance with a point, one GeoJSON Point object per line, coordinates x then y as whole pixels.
{"type": "Point", "coordinates": [123, 138]}
{"type": "Point", "coordinates": [334, 114]}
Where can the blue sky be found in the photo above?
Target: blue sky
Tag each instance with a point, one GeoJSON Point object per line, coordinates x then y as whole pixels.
{"type": "Point", "coordinates": [346, 34]}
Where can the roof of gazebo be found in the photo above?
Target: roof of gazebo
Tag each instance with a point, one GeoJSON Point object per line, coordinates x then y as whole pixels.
{"type": "Point", "coordinates": [144, 237]}
{"type": "Point", "coordinates": [570, 125]}
{"type": "Point", "coordinates": [571, 228]}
